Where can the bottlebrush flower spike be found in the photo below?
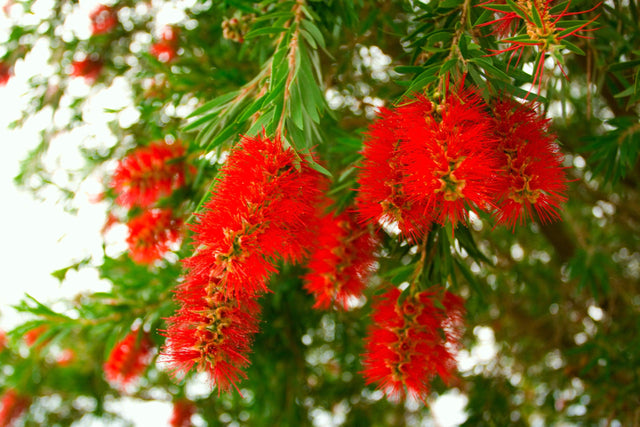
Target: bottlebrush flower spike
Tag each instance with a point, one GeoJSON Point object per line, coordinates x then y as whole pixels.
{"type": "Point", "coordinates": [183, 410]}
{"type": "Point", "coordinates": [449, 156]}
{"type": "Point", "coordinates": [13, 405]}
{"type": "Point", "coordinates": [544, 30]}
{"type": "Point", "coordinates": [532, 173]}
{"type": "Point", "coordinates": [263, 208]}
{"type": "Point", "coordinates": [341, 262]}
{"type": "Point", "coordinates": [151, 234]}
{"type": "Point", "coordinates": [166, 48]}
{"type": "Point", "coordinates": [88, 68]}
{"type": "Point", "coordinates": [411, 342]}
{"type": "Point", "coordinates": [149, 173]}
{"type": "Point", "coordinates": [103, 19]}
{"type": "Point", "coordinates": [381, 197]}
{"type": "Point", "coordinates": [128, 359]}
{"type": "Point", "coordinates": [210, 332]}
{"type": "Point", "coordinates": [5, 73]}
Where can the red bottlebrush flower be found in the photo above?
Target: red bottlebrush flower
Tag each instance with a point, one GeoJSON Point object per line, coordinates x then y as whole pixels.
{"type": "Point", "coordinates": [149, 173]}
{"type": "Point", "coordinates": [5, 73]}
{"type": "Point", "coordinates": [342, 261]}
{"type": "Point", "coordinates": [103, 20]}
{"type": "Point", "coordinates": [128, 359]}
{"type": "Point", "coordinates": [183, 410]}
{"type": "Point", "coordinates": [426, 162]}
{"type": "Point", "coordinates": [3, 340]}
{"type": "Point", "coordinates": [412, 341]}
{"type": "Point", "coordinates": [532, 173]}
{"type": "Point", "coordinates": [544, 30]}
{"type": "Point", "coordinates": [382, 198]}
{"type": "Point", "coordinates": [13, 405]}
{"type": "Point", "coordinates": [449, 156]}
{"type": "Point", "coordinates": [167, 47]}
{"type": "Point", "coordinates": [151, 234]}
{"type": "Point", "coordinates": [262, 208]}
{"type": "Point", "coordinates": [89, 68]}
{"type": "Point", "coordinates": [210, 332]}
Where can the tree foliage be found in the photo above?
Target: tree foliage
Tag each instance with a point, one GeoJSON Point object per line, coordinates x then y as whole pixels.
{"type": "Point", "coordinates": [558, 299]}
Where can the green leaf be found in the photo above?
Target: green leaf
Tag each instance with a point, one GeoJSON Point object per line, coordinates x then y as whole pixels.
{"type": "Point", "coordinates": [216, 102]}
{"type": "Point", "coordinates": [572, 47]}
{"type": "Point", "coordinates": [314, 31]}
{"type": "Point", "coordinates": [264, 31]}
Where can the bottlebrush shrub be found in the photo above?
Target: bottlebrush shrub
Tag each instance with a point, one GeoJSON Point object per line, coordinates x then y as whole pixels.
{"type": "Point", "coordinates": [12, 406]}
{"type": "Point", "coordinates": [341, 261]}
{"type": "Point", "coordinates": [411, 341]}
{"type": "Point", "coordinates": [263, 208]}
{"type": "Point", "coordinates": [151, 234]}
{"type": "Point", "coordinates": [531, 169]}
{"type": "Point", "coordinates": [426, 162]}
{"type": "Point", "coordinates": [149, 173]}
{"type": "Point", "coordinates": [128, 359]}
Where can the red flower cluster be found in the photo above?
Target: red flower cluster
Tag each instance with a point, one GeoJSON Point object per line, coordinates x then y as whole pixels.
{"type": "Point", "coordinates": [532, 173]}
{"type": "Point", "coordinates": [151, 234]}
{"type": "Point", "coordinates": [3, 340]}
{"type": "Point", "coordinates": [425, 162]}
{"type": "Point", "coordinates": [149, 173]}
{"type": "Point", "coordinates": [5, 73]}
{"type": "Point", "coordinates": [103, 19]}
{"type": "Point", "coordinates": [260, 211]}
{"type": "Point", "coordinates": [167, 47]}
{"type": "Point", "coordinates": [128, 359]}
{"type": "Point", "coordinates": [412, 341]}
{"type": "Point", "coordinates": [13, 405]}
{"type": "Point", "coordinates": [182, 411]}
{"type": "Point", "coordinates": [89, 68]}
{"type": "Point", "coordinates": [341, 261]}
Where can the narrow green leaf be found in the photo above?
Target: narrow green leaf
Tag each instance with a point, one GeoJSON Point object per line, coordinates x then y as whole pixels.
{"type": "Point", "coordinates": [264, 31]}
{"type": "Point", "coordinates": [220, 100]}
{"type": "Point", "coordinates": [314, 31]}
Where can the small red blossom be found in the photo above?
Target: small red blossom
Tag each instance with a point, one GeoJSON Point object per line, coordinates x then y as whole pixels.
{"type": "Point", "coordinates": [532, 174]}
{"type": "Point", "coordinates": [149, 173]}
{"type": "Point", "coordinates": [381, 197]}
{"type": "Point", "coordinates": [341, 262]}
{"type": "Point", "coordinates": [89, 68]}
{"type": "Point", "coordinates": [151, 234]}
{"type": "Point", "coordinates": [3, 340]}
{"type": "Point", "coordinates": [166, 48]}
{"type": "Point", "coordinates": [5, 73]}
{"type": "Point", "coordinates": [183, 410]}
{"type": "Point", "coordinates": [103, 19]}
{"type": "Point", "coordinates": [263, 208]}
{"type": "Point", "coordinates": [13, 405]}
{"type": "Point", "coordinates": [34, 334]}
{"type": "Point", "coordinates": [449, 155]}
{"type": "Point", "coordinates": [128, 359]}
{"type": "Point", "coordinates": [544, 30]}
{"type": "Point", "coordinates": [210, 332]}
{"type": "Point", "coordinates": [411, 342]}
{"type": "Point", "coordinates": [66, 357]}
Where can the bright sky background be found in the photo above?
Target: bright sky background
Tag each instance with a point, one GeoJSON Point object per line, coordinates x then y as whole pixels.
{"type": "Point", "coordinates": [39, 237]}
